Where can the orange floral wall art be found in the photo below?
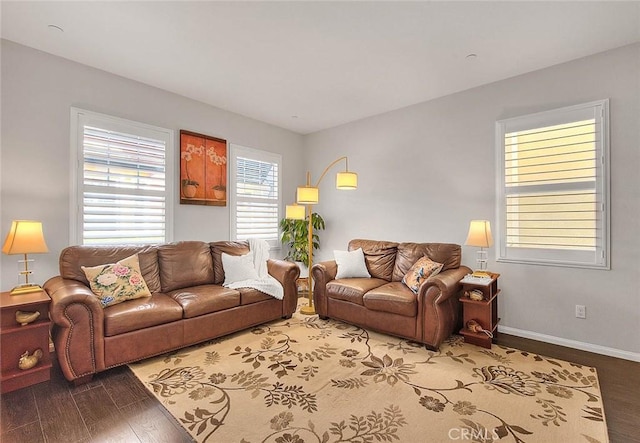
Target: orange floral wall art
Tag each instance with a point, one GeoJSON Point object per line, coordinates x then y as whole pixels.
{"type": "Point", "coordinates": [203, 170]}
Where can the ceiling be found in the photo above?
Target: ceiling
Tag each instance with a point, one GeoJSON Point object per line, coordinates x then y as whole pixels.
{"type": "Point", "coordinates": [307, 66]}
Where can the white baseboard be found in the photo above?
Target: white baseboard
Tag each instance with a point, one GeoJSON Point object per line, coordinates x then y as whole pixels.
{"type": "Point", "coordinates": [597, 349]}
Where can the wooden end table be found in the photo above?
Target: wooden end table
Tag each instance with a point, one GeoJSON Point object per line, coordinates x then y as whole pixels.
{"type": "Point", "coordinates": [302, 284]}
{"type": "Point", "coordinates": [485, 311]}
{"type": "Point", "coordinates": [15, 339]}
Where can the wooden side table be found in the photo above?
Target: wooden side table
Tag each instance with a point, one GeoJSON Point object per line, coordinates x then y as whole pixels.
{"type": "Point", "coordinates": [16, 339]}
{"type": "Point", "coordinates": [485, 311]}
{"type": "Point", "coordinates": [303, 286]}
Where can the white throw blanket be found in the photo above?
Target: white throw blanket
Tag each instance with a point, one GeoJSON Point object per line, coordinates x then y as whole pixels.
{"type": "Point", "coordinates": [265, 283]}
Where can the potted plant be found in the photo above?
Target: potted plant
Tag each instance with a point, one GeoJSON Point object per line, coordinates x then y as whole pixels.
{"type": "Point", "coordinates": [219, 190]}
{"type": "Point", "coordinates": [190, 186]}
{"type": "Point", "coordinates": [295, 235]}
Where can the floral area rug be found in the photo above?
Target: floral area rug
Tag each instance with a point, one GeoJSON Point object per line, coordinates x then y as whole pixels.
{"type": "Point", "coordinates": [307, 380]}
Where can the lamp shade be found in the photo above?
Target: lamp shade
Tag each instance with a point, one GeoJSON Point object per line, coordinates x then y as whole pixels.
{"type": "Point", "coordinates": [25, 237]}
{"type": "Point", "coordinates": [308, 195]}
{"type": "Point", "coordinates": [295, 212]}
{"type": "Point", "coordinates": [479, 234]}
{"type": "Point", "coordinates": [347, 180]}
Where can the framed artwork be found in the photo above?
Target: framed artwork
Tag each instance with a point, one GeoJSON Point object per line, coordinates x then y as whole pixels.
{"type": "Point", "coordinates": [203, 170]}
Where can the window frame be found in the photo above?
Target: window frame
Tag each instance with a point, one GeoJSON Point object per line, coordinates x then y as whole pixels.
{"type": "Point", "coordinates": [556, 257]}
{"type": "Point", "coordinates": [236, 151]}
{"type": "Point", "coordinates": [79, 118]}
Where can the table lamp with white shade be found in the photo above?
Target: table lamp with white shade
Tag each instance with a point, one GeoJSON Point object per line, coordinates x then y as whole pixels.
{"type": "Point", "coordinates": [480, 236]}
{"type": "Point", "coordinates": [25, 237]}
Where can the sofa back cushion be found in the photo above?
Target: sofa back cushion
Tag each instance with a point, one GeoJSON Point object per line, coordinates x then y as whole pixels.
{"type": "Point", "coordinates": [379, 256]}
{"type": "Point", "coordinates": [228, 247]}
{"type": "Point", "coordinates": [448, 254]}
{"type": "Point", "coordinates": [74, 257]}
{"type": "Point", "coordinates": [184, 264]}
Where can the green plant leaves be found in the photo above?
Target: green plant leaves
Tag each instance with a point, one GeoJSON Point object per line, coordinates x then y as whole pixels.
{"type": "Point", "coordinates": [295, 235]}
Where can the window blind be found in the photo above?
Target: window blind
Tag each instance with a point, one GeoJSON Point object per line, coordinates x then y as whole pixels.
{"type": "Point", "coordinates": [550, 175]}
{"type": "Point", "coordinates": [553, 186]}
{"type": "Point", "coordinates": [257, 199]}
{"type": "Point", "coordinates": [124, 184]}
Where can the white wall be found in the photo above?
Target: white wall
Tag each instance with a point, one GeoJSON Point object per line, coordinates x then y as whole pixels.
{"type": "Point", "coordinates": [425, 171]}
{"type": "Point", "coordinates": [38, 90]}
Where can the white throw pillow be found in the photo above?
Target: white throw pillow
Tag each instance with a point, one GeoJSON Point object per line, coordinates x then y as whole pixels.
{"type": "Point", "coordinates": [351, 264]}
{"type": "Point", "coordinates": [238, 268]}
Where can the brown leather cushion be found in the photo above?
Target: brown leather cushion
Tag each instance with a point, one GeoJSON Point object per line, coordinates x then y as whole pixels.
{"type": "Point", "coordinates": [184, 264]}
{"type": "Point", "coordinates": [228, 247]}
{"type": "Point", "coordinates": [393, 297]}
{"type": "Point", "coordinates": [200, 300]}
{"type": "Point", "coordinates": [380, 256]}
{"type": "Point", "coordinates": [74, 257]}
{"type": "Point", "coordinates": [448, 254]}
{"type": "Point", "coordinates": [250, 295]}
{"type": "Point", "coordinates": [140, 313]}
{"type": "Point", "coordinates": [352, 289]}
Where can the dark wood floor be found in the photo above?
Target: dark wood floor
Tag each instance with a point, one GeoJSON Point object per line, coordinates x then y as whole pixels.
{"type": "Point", "coordinates": [115, 407]}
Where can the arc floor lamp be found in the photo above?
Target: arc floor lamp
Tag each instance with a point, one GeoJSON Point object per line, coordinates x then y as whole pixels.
{"type": "Point", "coordinates": [308, 196]}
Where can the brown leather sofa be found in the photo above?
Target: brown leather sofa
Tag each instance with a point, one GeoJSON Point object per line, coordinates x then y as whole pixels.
{"type": "Point", "coordinates": [383, 303]}
{"type": "Point", "coordinates": [188, 304]}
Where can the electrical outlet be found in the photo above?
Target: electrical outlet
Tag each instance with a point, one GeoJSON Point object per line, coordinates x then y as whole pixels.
{"type": "Point", "coordinates": [581, 311]}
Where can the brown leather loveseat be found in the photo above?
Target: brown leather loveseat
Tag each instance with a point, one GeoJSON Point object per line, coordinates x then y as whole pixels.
{"type": "Point", "coordinates": [188, 304]}
{"type": "Point", "coordinates": [383, 303]}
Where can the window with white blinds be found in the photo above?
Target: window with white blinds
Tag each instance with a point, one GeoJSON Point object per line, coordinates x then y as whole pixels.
{"type": "Point", "coordinates": [123, 191]}
{"type": "Point", "coordinates": [553, 191]}
{"type": "Point", "coordinates": [255, 194]}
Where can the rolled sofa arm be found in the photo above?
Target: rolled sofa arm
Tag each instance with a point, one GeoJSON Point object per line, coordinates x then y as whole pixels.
{"type": "Point", "coordinates": [78, 327]}
{"type": "Point", "coordinates": [447, 284]}
{"type": "Point", "coordinates": [438, 300]}
{"type": "Point", "coordinates": [322, 274]}
{"type": "Point", "coordinates": [287, 274]}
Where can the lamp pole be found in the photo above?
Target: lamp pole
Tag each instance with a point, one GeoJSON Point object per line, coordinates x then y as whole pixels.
{"type": "Point", "coordinates": [310, 309]}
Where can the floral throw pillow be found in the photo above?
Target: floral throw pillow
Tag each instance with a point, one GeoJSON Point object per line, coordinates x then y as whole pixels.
{"type": "Point", "coordinates": [115, 283]}
{"type": "Point", "coordinates": [419, 272]}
